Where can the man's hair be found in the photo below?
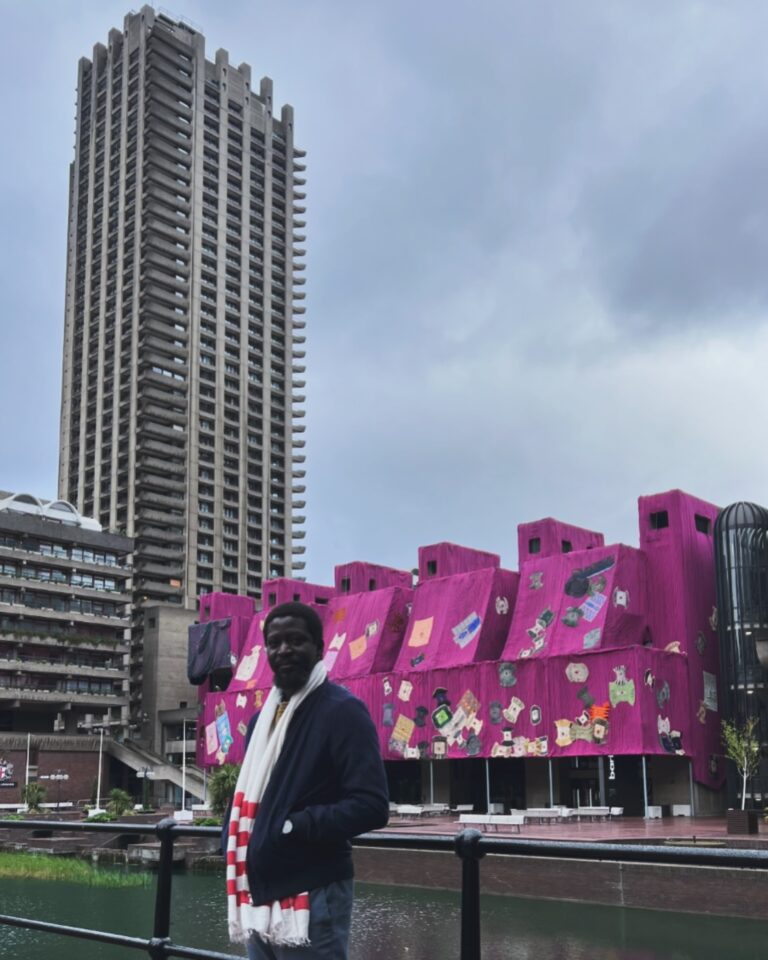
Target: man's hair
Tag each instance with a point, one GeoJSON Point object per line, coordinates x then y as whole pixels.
{"type": "Point", "coordinates": [301, 612]}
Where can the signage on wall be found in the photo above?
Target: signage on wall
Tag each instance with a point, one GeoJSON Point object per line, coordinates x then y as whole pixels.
{"type": "Point", "coordinates": [6, 774]}
{"type": "Point", "coordinates": [611, 767]}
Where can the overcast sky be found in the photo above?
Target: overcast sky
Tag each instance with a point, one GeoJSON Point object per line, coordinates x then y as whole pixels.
{"type": "Point", "coordinates": [537, 268]}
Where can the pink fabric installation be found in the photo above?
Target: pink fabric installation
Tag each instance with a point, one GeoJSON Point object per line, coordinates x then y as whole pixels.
{"type": "Point", "coordinates": [458, 619]}
{"type": "Point", "coordinates": [595, 650]}
{"type": "Point", "coordinates": [543, 538]}
{"type": "Point", "coordinates": [359, 577]}
{"type": "Point", "coordinates": [226, 713]}
{"type": "Point", "coordinates": [676, 534]}
{"type": "Point", "coordinates": [286, 590]}
{"type": "Point", "coordinates": [219, 606]}
{"type": "Point", "coordinates": [585, 600]}
{"type": "Point", "coordinates": [364, 631]}
{"type": "Point", "coordinates": [446, 559]}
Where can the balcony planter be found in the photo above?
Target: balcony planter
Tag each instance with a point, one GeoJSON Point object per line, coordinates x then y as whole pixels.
{"type": "Point", "coordinates": [741, 821]}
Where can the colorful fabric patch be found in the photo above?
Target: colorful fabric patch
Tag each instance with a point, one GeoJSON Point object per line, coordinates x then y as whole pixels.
{"type": "Point", "coordinates": [620, 598]}
{"type": "Point", "coordinates": [211, 738]}
{"type": "Point", "coordinates": [502, 606]}
{"type": "Point", "coordinates": [591, 639]}
{"type": "Point", "coordinates": [466, 631]}
{"type": "Point", "coordinates": [248, 664]}
{"type": "Point", "coordinates": [469, 703]}
{"type": "Point", "coordinates": [404, 728]}
{"type": "Point", "coordinates": [577, 672]}
{"type": "Point", "coordinates": [421, 632]}
{"type": "Point", "coordinates": [358, 647]}
{"type": "Point", "coordinates": [223, 729]}
{"type": "Point", "coordinates": [623, 692]}
{"type": "Point", "coordinates": [405, 690]}
{"type": "Point", "coordinates": [592, 606]}
{"type": "Point", "coordinates": [564, 738]}
{"type": "Point", "coordinates": [507, 674]}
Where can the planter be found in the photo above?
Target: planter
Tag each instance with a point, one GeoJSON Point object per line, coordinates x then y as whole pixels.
{"type": "Point", "coordinates": [741, 821]}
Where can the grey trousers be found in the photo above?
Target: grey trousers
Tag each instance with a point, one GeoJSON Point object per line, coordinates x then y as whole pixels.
{"type": "Point", "coordinates": [330, 913]}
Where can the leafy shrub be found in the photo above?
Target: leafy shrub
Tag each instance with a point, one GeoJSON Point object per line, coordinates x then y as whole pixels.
{"type": "Point", "coordinates": [120, 802]}
{"type": "Point", "coordinates": [33, 795]}
{"type": "Point", "coordinates": [221, 787]}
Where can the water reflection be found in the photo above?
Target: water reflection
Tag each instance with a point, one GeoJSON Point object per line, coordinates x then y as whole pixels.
{"type": "Point", "coordinates": [390, 923]}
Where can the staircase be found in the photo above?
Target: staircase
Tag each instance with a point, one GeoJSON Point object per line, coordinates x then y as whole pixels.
{"type": "Point", "coordinates": [137, 758]}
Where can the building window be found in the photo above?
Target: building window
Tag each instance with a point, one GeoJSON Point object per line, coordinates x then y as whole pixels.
{"type": "Point", "coordinates": [534, 545]}
{"type": "Point", "coordinates": [371, 584]}
{"type": "Point", "coordinates": [345, 584]}
{"type": "Point", "coordinates": [659, 520]}
{"type": "Point", "coordinates": [431, 568]}
{"type": "Point", "coordinates": [566, 546]}
{"type": "Point", "coordinates": [703, 524]}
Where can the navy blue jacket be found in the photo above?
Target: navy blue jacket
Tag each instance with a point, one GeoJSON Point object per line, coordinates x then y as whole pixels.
{"type": "Point", "coordinates": [329, 781]}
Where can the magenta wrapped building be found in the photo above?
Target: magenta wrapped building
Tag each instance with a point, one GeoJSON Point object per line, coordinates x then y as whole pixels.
{"type": "Point", "coordinates": [589, 677]}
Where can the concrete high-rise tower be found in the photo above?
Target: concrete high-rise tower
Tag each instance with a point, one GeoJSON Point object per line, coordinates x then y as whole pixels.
{"type": "Point", "coordinates": [183, 345]}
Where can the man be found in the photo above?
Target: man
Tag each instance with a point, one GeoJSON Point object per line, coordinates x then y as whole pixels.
{"type": "Point", "coordinates": [312, 779]}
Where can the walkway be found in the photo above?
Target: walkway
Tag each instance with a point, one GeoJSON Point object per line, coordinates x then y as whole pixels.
{"type": "Point", "coordinates": [618, 830]}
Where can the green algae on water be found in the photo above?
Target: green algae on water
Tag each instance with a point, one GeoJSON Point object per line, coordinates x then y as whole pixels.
{"type": "Point", "coordinates": [40, 866]}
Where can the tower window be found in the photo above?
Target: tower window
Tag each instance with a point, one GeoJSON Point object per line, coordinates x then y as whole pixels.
{"type": "Point", "coordinates": [566, 546]}
{"type": "Point", "coordinates": [371, 584]}
{"type": "Point", "coordinates": [534, 545]}
{"type": "Point", "coordinates": [431, 568]}
{"type": "Point", "coordinates": [345, 584]}
{"type": "Point", "coordinates": [703, 524]}
{"type": "Point", "coordinates": [659, 520]}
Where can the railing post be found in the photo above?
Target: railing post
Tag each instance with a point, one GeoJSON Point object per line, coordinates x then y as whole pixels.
{"type": "Point", "coordinates": [467, 846]}
{"type": "Point", "coordinates": [161, 930]}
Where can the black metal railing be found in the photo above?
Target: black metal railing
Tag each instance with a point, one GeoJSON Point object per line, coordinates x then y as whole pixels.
{"type": "Point", "coordinates": [469, 845]}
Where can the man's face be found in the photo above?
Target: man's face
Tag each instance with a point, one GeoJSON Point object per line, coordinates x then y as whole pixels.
{"type": "Point", "coordinates": [291, 651]}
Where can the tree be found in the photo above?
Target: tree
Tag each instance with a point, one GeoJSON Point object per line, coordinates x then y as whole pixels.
{"type": "Point", "coordinates": [33, 795]}
{"type": "Point", "coordinates": [221, 787]}
{"type": "Point", "coordinates": [742, 746]}
{"type": "Point", "coordinates": [120, 802]}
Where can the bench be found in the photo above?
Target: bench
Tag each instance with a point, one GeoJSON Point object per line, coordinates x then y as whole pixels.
{"type": "Point", "coordinates": [543, 813]}
{"type": "Point", "coordinates": [492, 820]}
{"type": "Point", "coordinates": [593, 813]}
{"type": "Point", "coordinates": [681, 809]}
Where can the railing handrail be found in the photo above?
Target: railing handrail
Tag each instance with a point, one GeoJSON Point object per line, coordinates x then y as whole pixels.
{"type": "Point", "coordinates": [469, 845]}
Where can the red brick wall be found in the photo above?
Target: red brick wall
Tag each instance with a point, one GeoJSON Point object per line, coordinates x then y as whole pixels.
{"type": "Point", "coordinates": [81, 766]}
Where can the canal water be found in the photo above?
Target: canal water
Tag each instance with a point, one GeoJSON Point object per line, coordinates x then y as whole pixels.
{"type": "Point", "coordinates": [390, 923]}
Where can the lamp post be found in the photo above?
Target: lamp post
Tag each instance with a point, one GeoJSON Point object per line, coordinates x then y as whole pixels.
{"type": "Point", "coordinates": [58, 776]}
{"type": "Point", "coordinates": [183, 764]}
{"type": "Point", "coordinates": [145, 775]}
{"type": "Point", "coordinates": [98, 777]}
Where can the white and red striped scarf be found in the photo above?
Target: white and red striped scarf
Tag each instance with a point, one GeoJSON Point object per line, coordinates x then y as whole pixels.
{"type": "Point", "coordinates": [283, 922]}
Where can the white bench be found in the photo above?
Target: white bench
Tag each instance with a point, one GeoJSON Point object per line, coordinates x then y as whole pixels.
{"type": "Point", "coordinates": [681, 809]}
{"type": "Point", "coordinates": [409, 810]}
{"type": "Point", "coordinates": [543, 813]}
{"type": "Point", "coordinates": [492, 820]}
{"type": "Point", "coordinates": [593, 813]}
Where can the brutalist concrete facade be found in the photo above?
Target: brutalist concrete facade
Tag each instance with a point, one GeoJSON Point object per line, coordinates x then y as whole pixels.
{"type": "Point", "coordinates": [183, 333]}
{"type": "Point", "coordinates": [64, 619]}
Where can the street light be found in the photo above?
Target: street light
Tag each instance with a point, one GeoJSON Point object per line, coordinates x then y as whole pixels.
{"type": "Point", "coordinates": [145, 775]}
{"type": "Point", "coordinates": [184, 765]}
{"type": "Point", "coordinates": [58, 776]}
